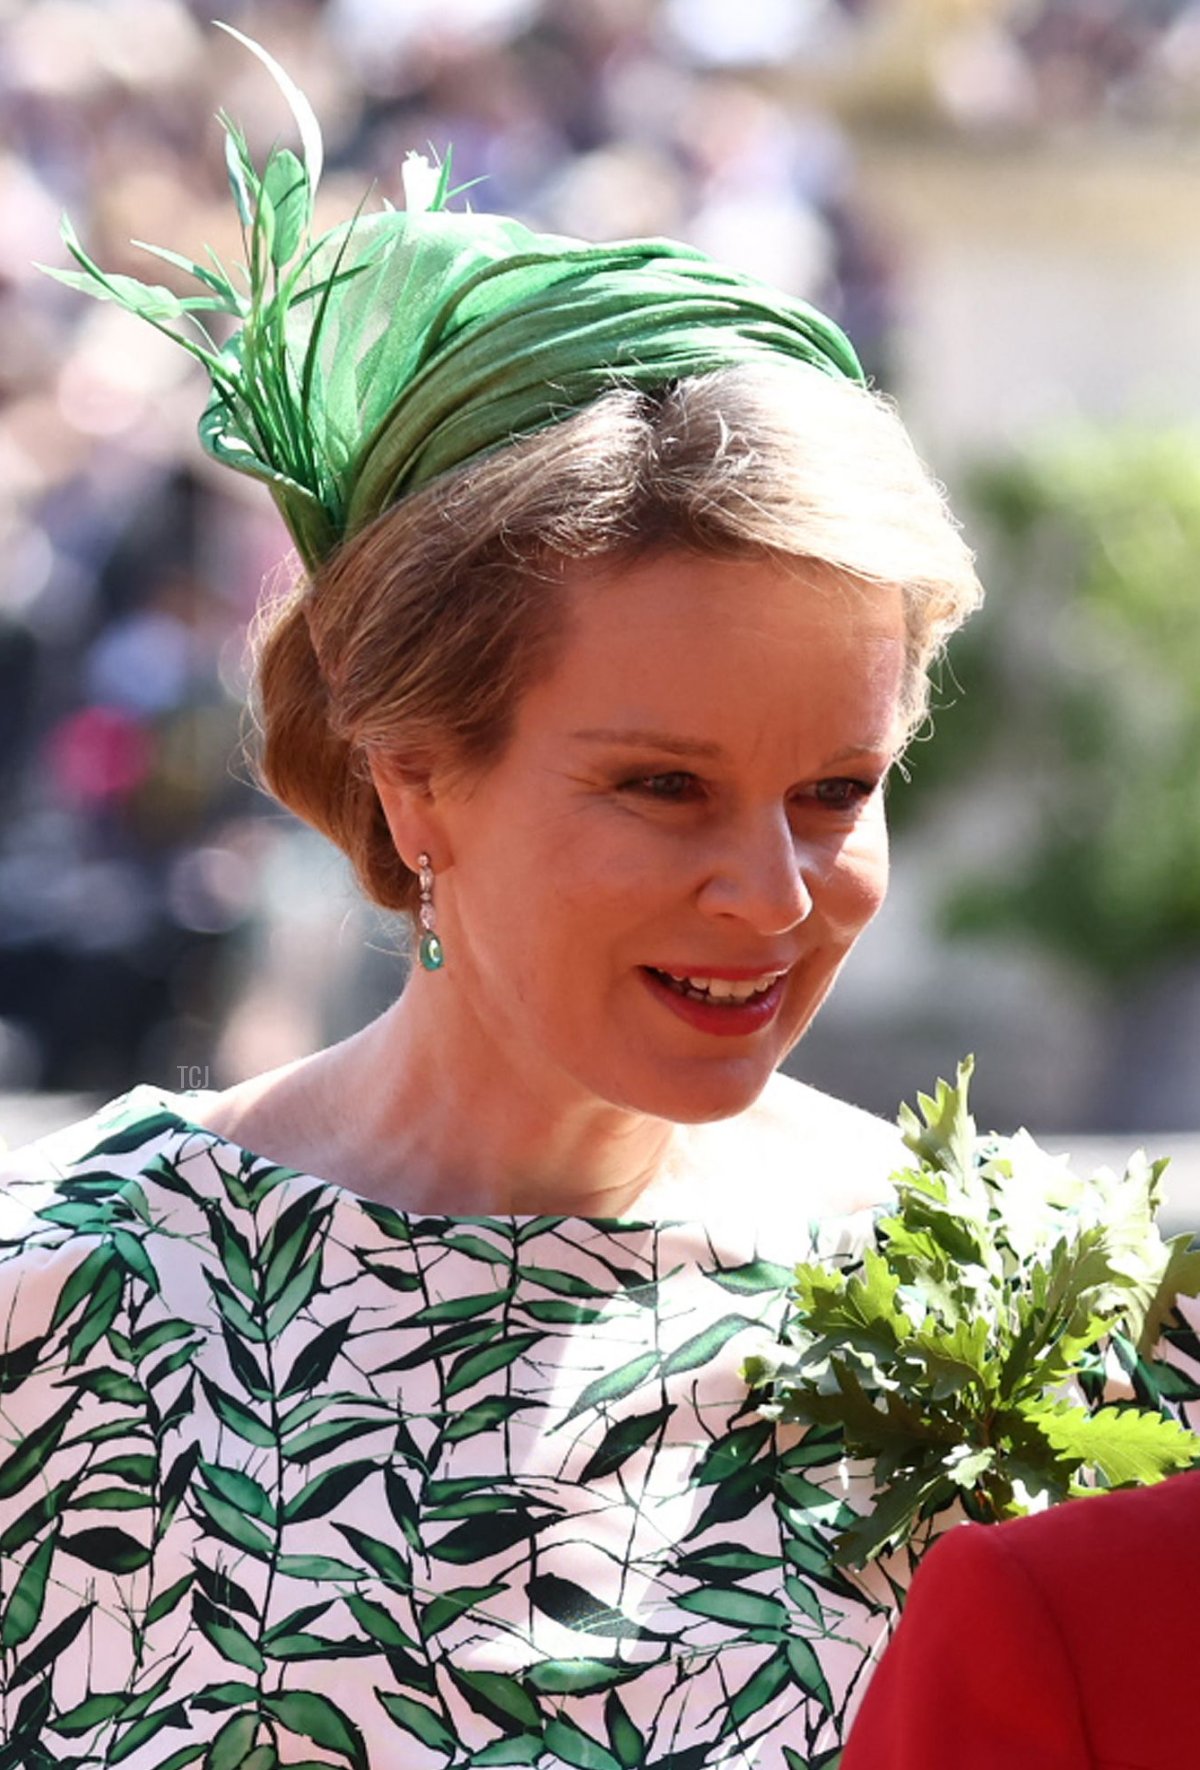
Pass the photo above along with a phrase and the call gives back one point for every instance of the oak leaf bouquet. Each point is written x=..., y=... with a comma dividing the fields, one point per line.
x=972, y=1353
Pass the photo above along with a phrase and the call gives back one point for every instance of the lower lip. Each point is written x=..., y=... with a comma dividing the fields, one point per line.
x=732, y=1021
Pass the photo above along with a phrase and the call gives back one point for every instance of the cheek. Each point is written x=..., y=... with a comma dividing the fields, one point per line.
x=572, y=884
x=858, y=882
x=602, y=858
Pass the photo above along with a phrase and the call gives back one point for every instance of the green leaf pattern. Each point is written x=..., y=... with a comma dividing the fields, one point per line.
x=289, y=1478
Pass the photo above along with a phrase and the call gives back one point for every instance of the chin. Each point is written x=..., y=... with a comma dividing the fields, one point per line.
x=700, y=1099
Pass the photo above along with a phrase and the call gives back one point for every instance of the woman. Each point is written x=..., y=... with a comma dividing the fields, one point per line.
x=412, y=1369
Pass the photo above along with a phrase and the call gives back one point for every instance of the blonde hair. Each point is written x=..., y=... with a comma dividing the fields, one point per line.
x=420, y=635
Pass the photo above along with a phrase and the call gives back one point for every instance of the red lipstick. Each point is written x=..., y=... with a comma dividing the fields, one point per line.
x=727, y=1020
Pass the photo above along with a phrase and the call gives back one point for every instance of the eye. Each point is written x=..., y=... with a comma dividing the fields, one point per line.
x=674, y=785
x=843, y=793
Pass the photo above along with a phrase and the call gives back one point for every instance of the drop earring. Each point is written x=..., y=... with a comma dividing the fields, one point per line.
x=429, y=952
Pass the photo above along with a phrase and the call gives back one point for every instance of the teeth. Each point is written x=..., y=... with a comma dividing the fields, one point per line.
x=723, y=989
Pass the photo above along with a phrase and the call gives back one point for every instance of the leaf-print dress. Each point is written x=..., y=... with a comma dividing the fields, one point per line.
x=288, y=1477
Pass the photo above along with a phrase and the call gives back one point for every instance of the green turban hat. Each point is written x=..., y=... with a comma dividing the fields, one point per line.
x=401, y=344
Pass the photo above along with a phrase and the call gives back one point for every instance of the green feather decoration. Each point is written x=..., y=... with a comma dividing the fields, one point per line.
x=400, y=344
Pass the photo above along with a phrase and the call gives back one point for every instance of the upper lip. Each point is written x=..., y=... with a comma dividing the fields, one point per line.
x=725, y=973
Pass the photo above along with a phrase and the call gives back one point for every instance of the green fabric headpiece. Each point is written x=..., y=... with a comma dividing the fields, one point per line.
x=403, y=343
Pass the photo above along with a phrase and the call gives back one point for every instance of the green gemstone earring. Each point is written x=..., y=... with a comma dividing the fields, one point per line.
x=430, y=950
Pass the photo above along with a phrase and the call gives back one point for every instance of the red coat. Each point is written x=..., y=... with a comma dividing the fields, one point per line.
x=1069, y=1641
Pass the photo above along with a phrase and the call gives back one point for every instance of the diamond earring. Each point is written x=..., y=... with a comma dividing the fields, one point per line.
x=430, y=950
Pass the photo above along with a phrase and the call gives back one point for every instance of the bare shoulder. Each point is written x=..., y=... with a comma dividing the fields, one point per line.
x=272, y=1115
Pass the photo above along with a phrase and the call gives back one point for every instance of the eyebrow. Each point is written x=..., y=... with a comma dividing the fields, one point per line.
x=639, y=737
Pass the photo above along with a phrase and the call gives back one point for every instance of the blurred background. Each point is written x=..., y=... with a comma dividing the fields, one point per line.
x=998, y=198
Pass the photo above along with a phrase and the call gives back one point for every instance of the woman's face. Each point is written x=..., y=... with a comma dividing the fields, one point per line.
x=695, y=793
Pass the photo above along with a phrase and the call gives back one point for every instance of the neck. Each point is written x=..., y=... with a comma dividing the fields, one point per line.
x=432, y=1114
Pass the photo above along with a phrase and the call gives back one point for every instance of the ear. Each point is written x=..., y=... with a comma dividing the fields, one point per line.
x=410, y=807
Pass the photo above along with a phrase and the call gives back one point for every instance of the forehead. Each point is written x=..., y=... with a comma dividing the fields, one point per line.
x=738, y=590
x=700, y=639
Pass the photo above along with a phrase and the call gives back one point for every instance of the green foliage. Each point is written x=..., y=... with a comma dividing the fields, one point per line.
x=965, y=1354
x=1081, y=682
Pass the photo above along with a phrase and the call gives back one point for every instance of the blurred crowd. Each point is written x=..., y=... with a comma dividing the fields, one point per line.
x=157, y=916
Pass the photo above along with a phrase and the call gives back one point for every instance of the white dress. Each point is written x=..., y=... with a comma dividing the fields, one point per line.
x=288, y=1477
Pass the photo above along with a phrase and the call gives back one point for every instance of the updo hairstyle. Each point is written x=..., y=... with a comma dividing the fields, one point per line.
x=419, y=636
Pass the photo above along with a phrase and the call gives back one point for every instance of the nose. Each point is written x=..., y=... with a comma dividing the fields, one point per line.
x=762, y=874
